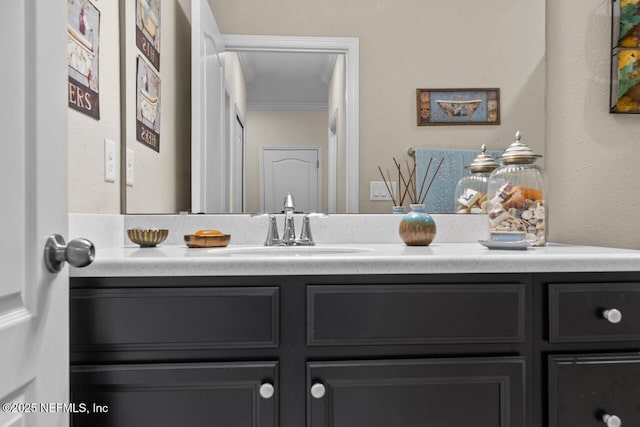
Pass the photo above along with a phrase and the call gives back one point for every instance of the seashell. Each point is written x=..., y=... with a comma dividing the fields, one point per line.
x=530, y=236
x=516, y=213
x=529, y=193
x=484, y=206
x=516, y=200
x=540, y=226
x=527, y=214
x=539, y=213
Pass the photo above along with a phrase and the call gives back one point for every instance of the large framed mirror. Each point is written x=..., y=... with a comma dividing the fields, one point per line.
x=401, y=48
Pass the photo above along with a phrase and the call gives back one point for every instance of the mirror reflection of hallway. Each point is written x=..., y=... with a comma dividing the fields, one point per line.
x=293, y=170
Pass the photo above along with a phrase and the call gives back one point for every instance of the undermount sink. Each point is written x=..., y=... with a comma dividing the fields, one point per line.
x=276, y=251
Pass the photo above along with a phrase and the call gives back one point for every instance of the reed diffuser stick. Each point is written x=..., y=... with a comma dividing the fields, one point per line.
x=393, y=198
x=412, y=182
x=407, y=186
x=432, y=179
x=387, y=185
x=426, y=172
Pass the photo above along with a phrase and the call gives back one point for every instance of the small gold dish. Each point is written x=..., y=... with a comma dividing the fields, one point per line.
x=194, y=241
x=148, y=238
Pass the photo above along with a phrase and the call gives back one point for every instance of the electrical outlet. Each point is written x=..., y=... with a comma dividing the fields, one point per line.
x=378, y=190
x=130, y=167
x=110, y=168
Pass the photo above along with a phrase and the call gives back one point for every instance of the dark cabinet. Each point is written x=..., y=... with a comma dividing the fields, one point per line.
x=436, y=350
x=585, y=391
x=183, y=394
x=471, y=392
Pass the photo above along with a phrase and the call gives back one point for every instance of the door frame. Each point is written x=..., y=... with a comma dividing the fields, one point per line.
x=239, y=118
x=350, y=48
x=315, y=148
x=332, y=163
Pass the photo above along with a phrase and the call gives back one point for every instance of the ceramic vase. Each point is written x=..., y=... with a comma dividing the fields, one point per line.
x=417, y=228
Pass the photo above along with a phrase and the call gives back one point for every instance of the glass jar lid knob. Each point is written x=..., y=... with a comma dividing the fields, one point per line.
x=518, y=152
x=483, y=162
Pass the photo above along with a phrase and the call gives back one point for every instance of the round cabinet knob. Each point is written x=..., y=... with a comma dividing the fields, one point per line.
x=612, y=420
x=318, y=390
x=267, y=390
x=613, y=315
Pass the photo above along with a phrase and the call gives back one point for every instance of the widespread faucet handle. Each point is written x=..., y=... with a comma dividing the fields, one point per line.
x=272, y=233
x=305, y=234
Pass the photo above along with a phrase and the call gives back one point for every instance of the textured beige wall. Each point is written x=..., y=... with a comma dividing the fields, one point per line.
x=420, y=44
x=592, y=156
x=87, y=189
x=281, y=129
x=162, y=181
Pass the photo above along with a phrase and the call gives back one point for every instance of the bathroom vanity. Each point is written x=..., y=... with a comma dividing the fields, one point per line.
x=449, y=335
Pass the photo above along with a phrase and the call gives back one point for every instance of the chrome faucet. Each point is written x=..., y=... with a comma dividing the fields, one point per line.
x=289, y=232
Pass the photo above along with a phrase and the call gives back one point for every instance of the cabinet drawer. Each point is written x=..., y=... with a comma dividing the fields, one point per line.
x=415, y=314
x=174, y=318
x=472, y=392
x=583, y=389
x=576, y=312
x=188, y=394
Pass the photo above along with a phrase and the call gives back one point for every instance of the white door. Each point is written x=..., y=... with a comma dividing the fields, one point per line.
x=290, y=170
x=34, y=323
x=208, y=167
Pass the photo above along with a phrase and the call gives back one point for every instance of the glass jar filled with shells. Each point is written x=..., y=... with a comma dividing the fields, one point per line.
x=516, y=201
x=471, y=191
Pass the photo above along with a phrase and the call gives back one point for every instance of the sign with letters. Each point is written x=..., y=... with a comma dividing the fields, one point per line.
x=148, y=30
x=83, y=42
x=147, y=105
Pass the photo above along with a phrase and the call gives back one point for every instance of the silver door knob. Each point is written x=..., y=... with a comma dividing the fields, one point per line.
x=318, y=390
x=78, y=253
x=267, y=390
x=613, y=315
x=612, y=420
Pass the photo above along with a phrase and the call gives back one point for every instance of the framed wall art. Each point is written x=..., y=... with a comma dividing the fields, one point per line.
x=83, y=53
x=625, y=57
x=147, y=105
x=148, y=30
x=438, y=107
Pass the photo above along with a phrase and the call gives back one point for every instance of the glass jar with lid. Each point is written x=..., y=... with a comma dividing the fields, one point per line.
x=516, y=195
x=471, y=191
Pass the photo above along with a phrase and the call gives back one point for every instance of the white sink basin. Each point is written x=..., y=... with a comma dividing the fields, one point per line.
x=280, y=251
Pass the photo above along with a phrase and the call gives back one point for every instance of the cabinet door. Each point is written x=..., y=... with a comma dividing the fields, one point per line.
x=583, y=389
x=189, y=394
x=479, y=392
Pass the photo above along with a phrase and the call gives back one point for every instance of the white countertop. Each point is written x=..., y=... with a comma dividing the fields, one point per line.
x=387, y=258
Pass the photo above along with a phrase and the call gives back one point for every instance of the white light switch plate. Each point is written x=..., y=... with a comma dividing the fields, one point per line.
x=130, y=156
x=110, y=169
x=378, y=190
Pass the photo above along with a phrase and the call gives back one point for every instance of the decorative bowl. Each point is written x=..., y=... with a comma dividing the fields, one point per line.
x=148, y=238
x=194, y=241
